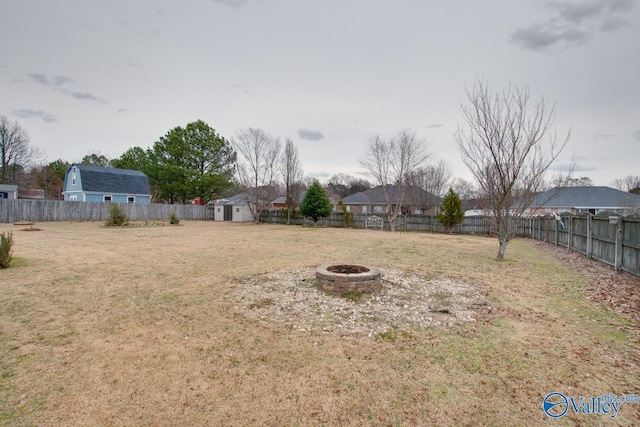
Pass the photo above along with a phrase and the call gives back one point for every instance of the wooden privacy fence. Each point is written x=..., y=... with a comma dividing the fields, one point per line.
x=56, y=210
x=614, y=240
x=429, y=223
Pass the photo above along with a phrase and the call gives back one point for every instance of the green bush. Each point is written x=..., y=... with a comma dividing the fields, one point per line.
x=316, y=204
x=117, y=217
x=451, y=213
x=347, y=215
x=173, y=218
x=6, y=241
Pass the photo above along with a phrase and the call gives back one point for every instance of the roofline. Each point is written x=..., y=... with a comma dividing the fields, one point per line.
x=110, y=193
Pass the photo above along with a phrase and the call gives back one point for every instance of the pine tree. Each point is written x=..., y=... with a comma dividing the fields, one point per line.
x=450, y=213
x=316, y=204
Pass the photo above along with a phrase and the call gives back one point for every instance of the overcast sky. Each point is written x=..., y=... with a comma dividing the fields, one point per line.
x=87, y=76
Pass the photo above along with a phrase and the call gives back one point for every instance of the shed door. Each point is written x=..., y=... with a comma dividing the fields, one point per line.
x=228, y=213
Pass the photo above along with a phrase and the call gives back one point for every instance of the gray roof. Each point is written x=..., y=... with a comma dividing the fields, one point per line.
x=237, y=200
x=112, y=180
x=585, y=197
x=375, y=196
x=8, y=187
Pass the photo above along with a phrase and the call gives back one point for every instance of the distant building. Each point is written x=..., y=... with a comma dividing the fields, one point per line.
x=584, y=199
x=88, y=183
x=8, y=191
x=373, y=201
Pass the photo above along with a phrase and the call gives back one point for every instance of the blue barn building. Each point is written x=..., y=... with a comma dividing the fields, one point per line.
x=88, y=183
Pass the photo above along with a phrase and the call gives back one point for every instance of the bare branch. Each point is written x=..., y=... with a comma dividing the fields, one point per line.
x=257, y=167
x=391, y=162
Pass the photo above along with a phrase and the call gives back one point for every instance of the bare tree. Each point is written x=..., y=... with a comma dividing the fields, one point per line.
x=505, y=151
x=292, y=176
x=257, y=167
x=465, y=189
x=391, y=162
x=568, y=181
x=435, y=180
x=15, y=152
x=344, y=185
x=627, y=183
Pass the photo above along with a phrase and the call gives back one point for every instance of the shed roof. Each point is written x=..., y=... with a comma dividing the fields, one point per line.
x=8, y=187
x=237, y=200
x=113, y=180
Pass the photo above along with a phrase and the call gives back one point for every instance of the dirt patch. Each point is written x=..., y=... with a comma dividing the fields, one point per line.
x=406, y=301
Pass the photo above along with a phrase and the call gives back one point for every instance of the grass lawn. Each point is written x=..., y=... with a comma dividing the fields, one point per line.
x=139, y=326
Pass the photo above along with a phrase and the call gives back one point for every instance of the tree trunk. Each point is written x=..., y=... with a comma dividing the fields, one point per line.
x=502, y=249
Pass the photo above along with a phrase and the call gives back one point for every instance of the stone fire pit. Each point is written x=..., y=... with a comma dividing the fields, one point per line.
x=345, y=278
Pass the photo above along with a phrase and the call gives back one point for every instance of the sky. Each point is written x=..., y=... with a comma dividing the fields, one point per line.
x=92, y=76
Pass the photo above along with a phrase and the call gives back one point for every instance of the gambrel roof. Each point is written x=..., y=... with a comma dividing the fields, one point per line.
x=112, y=180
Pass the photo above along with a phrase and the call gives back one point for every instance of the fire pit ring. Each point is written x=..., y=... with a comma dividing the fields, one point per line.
x=345, y=278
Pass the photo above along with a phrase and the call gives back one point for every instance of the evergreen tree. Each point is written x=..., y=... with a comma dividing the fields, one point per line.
x=450, y=213
x=316, y=204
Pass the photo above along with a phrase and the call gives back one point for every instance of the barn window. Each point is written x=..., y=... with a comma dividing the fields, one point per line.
x=106, y=199
x=73, y=198
x=218, y=209
x=237, y=209
x=73, y=178
x=131, y=199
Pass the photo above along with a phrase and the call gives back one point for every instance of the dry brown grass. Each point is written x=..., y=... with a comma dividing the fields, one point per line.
x=103, y=326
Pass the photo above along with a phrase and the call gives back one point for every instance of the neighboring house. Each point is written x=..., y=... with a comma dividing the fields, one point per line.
x=88, y=183
x=281, y=202
x=234, y=209
x=584, y=199
x=8, y=192
x=372, y=201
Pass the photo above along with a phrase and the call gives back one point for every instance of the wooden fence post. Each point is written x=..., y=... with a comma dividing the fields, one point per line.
x=619, y=238
x=589, y=243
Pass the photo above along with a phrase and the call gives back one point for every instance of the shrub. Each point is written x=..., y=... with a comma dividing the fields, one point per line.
x=117, y=217
x=173, y=218
x=316, y=204
x=347, y=215
x=451, y=213
x=6, y=241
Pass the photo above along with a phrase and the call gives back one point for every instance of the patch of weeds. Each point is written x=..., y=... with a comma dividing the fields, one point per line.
x=6, y=241
x=442, y=297
x=266, y=302
x=389, y=335
x=352, y=296
x=310, y=283
x=117, y=217
x=173, y=218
